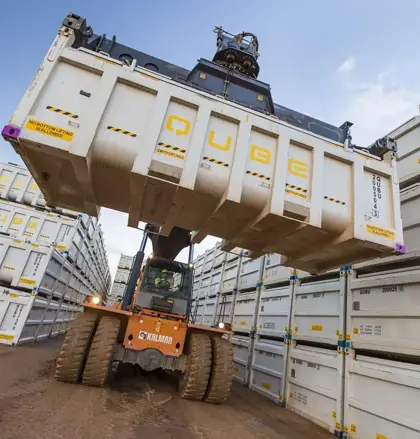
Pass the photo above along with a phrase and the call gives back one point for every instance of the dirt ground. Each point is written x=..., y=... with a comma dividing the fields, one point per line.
x=134, y=405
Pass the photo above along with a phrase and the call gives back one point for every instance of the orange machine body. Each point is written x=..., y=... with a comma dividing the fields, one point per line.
x=150, y=330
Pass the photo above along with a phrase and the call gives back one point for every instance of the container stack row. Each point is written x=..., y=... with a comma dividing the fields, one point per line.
x=332, y=348
x=341, y=349
x=121, y=279
x=50, y=260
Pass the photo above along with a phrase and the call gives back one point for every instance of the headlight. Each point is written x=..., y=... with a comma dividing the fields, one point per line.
x=96, y=300
x=221, y=325
x=191, y=265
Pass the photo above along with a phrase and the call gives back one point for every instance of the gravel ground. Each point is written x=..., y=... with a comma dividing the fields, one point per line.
x=134, y=405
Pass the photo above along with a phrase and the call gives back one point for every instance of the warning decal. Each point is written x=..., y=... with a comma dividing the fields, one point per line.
x=49, y=130
x=296, y=194
x=384, y=233
x=171, y=154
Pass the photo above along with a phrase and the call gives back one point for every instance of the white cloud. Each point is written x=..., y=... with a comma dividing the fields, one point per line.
x=379, y=106
x=348, y=65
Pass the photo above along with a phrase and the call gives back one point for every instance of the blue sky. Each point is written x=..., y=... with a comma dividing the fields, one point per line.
x=335, y=60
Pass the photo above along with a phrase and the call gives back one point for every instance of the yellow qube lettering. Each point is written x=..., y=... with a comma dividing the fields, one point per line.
x=298, y=168
x=17, y=221
x=186, y=125
x=32, y=225
x=224, y=147
x=260, y=154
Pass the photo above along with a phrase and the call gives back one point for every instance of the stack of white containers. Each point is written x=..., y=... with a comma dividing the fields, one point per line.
x=341, y=349
x=121, y=279
x=50, y=260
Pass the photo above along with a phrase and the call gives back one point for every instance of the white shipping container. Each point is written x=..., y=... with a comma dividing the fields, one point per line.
x=219, y=256
x=209, y=313
x=199, y=312
x=250, y=273
x=241, y=353
x=17, y=184
x=244, y=312
x=122, y=275
x=229, y=278
x=224, y=308
x=274, y=312
x=204, y=285
x=407, y=136
x=14, y=309
x=125, y=262
x=216, y=277
x=410, y=213
x=384, y=312
x=118, y=290
x=274, y=273
x=21, y=264
x=233, y=254
x=382, y=399
x=209, y=258
x=303, y=210
x=318, y=311
x=268, y=369
x=45, y=228
x=315, y=389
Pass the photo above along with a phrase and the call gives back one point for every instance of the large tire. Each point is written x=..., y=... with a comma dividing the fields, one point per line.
x=193, y=383
x=75, y=348
x=98, y=363
x=221, y=371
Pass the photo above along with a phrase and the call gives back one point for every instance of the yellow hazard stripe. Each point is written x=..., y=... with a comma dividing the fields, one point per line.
x=60, y=111
x=121, y=131
x=335, y=200
x=255, y=174
x=217, y=162
x=297, y=188
x=174, y=148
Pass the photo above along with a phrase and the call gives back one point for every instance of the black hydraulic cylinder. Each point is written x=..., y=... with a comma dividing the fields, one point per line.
x=135, y=273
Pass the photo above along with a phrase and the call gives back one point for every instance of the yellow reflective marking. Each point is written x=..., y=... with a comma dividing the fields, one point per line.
x=224, y=147
x=26, y=281
x=265, y=385
x=379, y=231
x=178, y=132
x=334, y=414
x=316, y=327
x=49, y=130
x=6, y=337
x=243, y=323
x=260, y=154
x=170, y=154
x=61, y=247
x=297, y=194
x=353, y=428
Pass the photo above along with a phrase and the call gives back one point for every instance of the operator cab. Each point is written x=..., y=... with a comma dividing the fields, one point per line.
x=165, y=286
